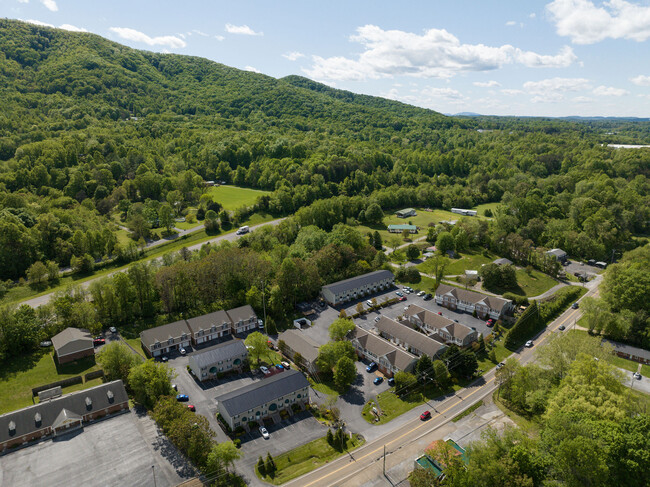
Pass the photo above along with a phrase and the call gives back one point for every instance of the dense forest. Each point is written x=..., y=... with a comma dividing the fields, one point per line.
x=91, y=128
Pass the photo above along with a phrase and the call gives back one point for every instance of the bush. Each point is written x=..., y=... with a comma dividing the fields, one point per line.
x=518, y=299
x=237, y=442
x=529, y=323
x=93, y=375
x=63, y=383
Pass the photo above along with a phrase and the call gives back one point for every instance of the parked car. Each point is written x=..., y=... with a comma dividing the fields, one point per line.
x=182, y=351
x=264, y=370
x=191, y=407
x=427, y=297
x=562, y=328
x=112, y=329
x=440, y=313
x=279, y=366
x=425, y=415
x=421, y=293
x=377, y=319
x=378, y=380
x=499, y=365
x=406, y=291
x=369, y=303
x=406, y=308
x=489, y=322
x=265, y=433
x=391, y=381
x=182, y=397
x=175, y=387
x=637, y=376
x=322, y=304
x=529, y=343
x=575, y=306
x=403, y=298
x=455, y=320
x=286, y=365
x=164, y=358
x=372, y=366
x=45, y=343
x=399, y=293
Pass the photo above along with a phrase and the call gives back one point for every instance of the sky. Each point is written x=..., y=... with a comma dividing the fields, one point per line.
x=496, y=57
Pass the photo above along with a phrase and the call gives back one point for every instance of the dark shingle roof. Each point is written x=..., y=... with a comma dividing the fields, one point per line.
x=74, y=404
x=223, y=351
x=261, y=392
x=164, y=332
x=243, y=313
x=206, y=321
x=409, y=336
x=72, y=340
x=301, y=343
x=492, y=302
x=355, y=282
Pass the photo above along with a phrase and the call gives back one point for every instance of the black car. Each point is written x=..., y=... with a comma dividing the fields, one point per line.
x=427, y=297
x=391, y=381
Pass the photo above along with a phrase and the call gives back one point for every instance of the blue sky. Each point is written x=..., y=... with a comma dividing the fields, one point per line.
x=505, y=57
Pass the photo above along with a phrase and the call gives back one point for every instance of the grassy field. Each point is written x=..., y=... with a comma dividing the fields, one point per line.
x=306, y=458
x=137, y=345
x=324, y=388
x=524, y=423
x=232, y=197
x=24, y=373
x=534, y=284
x=467, y=412
x=468, y=261
x=481, y=208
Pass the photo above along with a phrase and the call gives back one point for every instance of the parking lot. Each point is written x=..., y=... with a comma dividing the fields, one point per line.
x=115, y=452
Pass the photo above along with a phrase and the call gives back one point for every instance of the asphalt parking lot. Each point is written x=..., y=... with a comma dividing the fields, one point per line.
x=115, y=452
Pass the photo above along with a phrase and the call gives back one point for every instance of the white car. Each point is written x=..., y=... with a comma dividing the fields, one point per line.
x=369, y=303
x=421, y=293
x=406, y=291
x=265, y=434
x=529, y=343
x=264, y=370
x=637, y=376
x=182, y=350
x=377, y=319
x=113, y=329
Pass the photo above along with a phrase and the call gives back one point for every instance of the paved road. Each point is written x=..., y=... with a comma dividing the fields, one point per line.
x=44, y=299
x=347, y=468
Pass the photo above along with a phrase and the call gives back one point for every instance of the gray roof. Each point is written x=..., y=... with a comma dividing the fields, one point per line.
x=428, y=317
x=72, y=340
x=205, y=322
x=243, y=313
x=502, y=261
x=301, y=343
x=164, y=332
x=358, y=281
x=263, y=391
x=491, y=302
x=70, y=405
x=557, y=252
x=410, y=337
x=383, y=348
x=223, y=351
x=628, y=349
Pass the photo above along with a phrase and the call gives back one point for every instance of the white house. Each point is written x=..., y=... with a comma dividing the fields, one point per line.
x=469, y=301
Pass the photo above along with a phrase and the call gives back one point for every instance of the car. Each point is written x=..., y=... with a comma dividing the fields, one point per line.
x=377, y=318
x=191, y=407
x=45, y=343
x=182, y=397
x=322, y=304
x=562, y=328
x=499, y=365
x=175, y=387
x=265, y=370
x=440, y=313
x=264, y=432
x=286, y=365
x=164, y=358
x=406, y=308
x=399, y=293
x=391, y=381
x=279, y=366
x=182, y=350
x=98, y=341
x=421, y=293
x=575, y=306
x=403, y=298
x=427, y=297
x=406, y=291
x=409, y=288
x=112, y=329
x=455, y=321
x=378, y=380
x=529, y=343
x=637, y=376
x=489, y=322
x=369, y=303
x=425, y=415
x=372, y=366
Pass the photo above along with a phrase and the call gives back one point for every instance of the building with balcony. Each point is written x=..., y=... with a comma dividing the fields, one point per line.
x=225, y=357
x=357, y=287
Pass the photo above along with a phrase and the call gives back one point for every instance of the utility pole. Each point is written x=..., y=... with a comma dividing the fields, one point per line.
x=384, y=460
x=263, y=284
x=153, y=472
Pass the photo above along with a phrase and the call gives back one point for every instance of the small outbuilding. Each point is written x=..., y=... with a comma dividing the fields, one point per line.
x=557, y=254
x=401, y=228
x=502, y=261
x=72, y=344
x=405, y=213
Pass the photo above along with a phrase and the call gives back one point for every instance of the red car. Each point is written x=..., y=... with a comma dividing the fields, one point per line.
x=403, y=298
x=99, y=341
x=191, y=407
x=440, y=313
x=489, y=322
x=425, y=415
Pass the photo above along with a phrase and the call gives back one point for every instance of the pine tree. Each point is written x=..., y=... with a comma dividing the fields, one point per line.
x=330, y=437
x=270, y=464
x=261, y=468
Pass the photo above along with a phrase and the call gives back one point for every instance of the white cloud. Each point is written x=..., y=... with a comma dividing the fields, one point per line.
x=252, y=69
x=582, y=99
x=609, y=91
x=38, y=22
x=641, y=80
x=511, y=23
x=72, y=28
x=199, y=33
x=50, y=5
x=508, y=91
x=533, y=15
x=242, y=29
x=23, y=1
x=293, y=56
x=173, y=42
x=556, y=85
x=434, y=54
x=585, y=23
x=487, y=84
x=219, y=38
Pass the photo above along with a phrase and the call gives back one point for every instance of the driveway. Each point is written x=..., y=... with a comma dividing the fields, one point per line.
x=115, y=452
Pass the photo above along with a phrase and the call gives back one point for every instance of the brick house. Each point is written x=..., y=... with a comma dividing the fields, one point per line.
x=72, y=344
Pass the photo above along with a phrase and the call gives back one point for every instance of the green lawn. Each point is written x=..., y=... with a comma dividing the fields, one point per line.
x=306, y=458
x=467, y=412
x=123, y=237
x=524, y=423
x=186, y=225
x=534, y=284
x=271, y=357
x=137, y=345
x=324, y=388
x=232, y=197
x=481, y=208
x=24, y=373
x=471, y=260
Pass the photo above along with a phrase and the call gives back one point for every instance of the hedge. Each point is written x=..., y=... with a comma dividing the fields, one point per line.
x=527, y=325
x=93, y=375
x=63, y=383
x=556, y=304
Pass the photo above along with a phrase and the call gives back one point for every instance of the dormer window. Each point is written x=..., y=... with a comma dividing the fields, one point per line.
x=89, y=403
x=12, y=428
x=37, y=419
x=110, y=396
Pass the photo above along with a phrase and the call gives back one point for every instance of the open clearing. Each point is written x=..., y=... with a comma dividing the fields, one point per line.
x=232, y=197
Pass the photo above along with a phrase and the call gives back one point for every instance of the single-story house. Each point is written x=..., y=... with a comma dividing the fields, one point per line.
x=440, y=328
x=502, y=261
x=292, y=342
x=229, y=356
x=388, y=357
x=557, y=254
x=405, y=213
x=470, y=274
x=412, y=340
x=355, y=287
x=263, y=398
x=243, y=319
x=629, y=352
x=72, y=344
x=163, y=339
x=62, y=414
x=463, y=212
x=401, y=228
x=209, y=327
x=470, y=301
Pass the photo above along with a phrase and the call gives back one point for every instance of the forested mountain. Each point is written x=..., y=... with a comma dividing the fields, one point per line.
x=90, y=128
